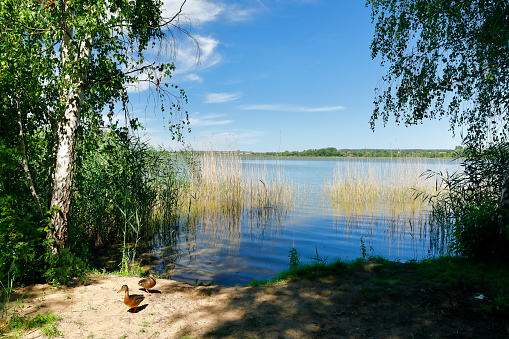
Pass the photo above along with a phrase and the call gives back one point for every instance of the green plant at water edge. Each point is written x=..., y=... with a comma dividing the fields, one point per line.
x=364, y=253
x=64, y=266
x=128, y=264
x=476, y=230
x=466, y=205
x=363, y=248
x=318, y=260
x=294, y=260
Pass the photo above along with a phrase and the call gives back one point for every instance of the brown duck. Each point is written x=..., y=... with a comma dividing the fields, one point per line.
x=147, y=283
x=131, y=300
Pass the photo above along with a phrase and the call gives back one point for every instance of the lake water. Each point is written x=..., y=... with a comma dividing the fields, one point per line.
x=241, y=248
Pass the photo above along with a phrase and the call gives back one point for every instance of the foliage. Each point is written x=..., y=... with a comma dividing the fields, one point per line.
x=476, y=231
x=294, y=259
x=363, y=153
x=445, y=59
x=117, y=178
x=81, y=55
x=21, y=233
x=466, y=204
x=64, y=266
x=46, y=322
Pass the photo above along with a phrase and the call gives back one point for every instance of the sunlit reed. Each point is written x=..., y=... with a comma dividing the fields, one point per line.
x=226, y=195
x=381, y=196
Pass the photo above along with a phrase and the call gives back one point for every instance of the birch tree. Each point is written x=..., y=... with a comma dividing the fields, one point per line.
x=446, y=59
x=62, y=60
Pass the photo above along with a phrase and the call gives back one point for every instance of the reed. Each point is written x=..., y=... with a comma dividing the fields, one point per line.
x=381, y=195
x=226, y=195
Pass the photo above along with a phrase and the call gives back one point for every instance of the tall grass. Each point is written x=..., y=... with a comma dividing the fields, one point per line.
x=226, y=195
x=125, y=192
x=367, y=192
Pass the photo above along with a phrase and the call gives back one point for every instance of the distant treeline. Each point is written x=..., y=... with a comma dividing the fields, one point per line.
x=366, y=153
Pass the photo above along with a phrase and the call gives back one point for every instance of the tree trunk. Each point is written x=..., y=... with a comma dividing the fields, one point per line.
x=503, y=217
x=74, y=64
x=24, y=161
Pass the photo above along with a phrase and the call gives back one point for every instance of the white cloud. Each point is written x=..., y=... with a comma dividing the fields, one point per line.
x=194, y=77
x=215, y=98
x=138, y=87
x=209, y=120
x=237, y=14
x=200, y=11
x=187, y=56
x=246, y=138
x=290, y=108
x=195, y=13
x=204, y=11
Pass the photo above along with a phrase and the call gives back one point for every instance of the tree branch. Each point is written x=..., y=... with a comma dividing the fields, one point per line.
x=25, y=160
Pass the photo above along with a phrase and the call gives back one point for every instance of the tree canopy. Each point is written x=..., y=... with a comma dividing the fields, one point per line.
x=446, y=59
x=62, y=64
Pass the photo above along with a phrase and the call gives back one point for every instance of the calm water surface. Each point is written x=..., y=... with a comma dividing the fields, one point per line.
x=248, y=247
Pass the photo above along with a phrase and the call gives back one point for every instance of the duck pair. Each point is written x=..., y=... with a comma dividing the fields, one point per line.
x=135, y=299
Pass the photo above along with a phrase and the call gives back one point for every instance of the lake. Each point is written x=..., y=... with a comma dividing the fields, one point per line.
x=255, y=244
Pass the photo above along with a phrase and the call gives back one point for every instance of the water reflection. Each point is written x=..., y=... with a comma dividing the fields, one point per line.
x=242, y=230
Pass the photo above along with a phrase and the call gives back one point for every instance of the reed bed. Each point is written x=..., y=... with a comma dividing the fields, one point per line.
x=226, y=195
x=383, y=196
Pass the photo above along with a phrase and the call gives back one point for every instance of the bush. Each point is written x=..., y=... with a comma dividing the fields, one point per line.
x=477, y=233
x=64, y=266
x=22, y=238
x=466, y=207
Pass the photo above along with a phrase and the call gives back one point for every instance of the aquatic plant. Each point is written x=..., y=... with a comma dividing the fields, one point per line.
x=366, y=192
x=225, y=191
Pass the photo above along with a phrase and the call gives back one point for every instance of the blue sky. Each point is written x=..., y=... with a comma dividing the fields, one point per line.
x=277, y=75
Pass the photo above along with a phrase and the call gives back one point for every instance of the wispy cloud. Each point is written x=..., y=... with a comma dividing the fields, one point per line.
x=194, y=77
x=204, y=11
x=209, y=120
x=187, y=55
x=189, y=59
x=200, y=11
x=290, y=108
x=245, y=138
x=216, y=98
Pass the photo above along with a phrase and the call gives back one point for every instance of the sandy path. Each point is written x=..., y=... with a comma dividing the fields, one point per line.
x=348, y=304
x=174, y=309
x=97, y=310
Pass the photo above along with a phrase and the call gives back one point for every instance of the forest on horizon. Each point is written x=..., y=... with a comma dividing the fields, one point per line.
x=364, y=153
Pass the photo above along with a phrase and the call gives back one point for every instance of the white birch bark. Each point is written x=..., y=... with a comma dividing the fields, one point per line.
x=75, y=57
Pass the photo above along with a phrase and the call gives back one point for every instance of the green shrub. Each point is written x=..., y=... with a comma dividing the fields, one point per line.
x=477, y=232
x=466, y=207
x=64, y=266
x=295, y=263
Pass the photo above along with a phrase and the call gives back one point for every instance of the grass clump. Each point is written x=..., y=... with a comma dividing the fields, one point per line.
x=18, y=324
x=297, y=269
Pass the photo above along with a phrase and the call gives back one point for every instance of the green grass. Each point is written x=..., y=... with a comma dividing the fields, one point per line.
x=478, y=277
x=312, y=270
x=17, y=325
